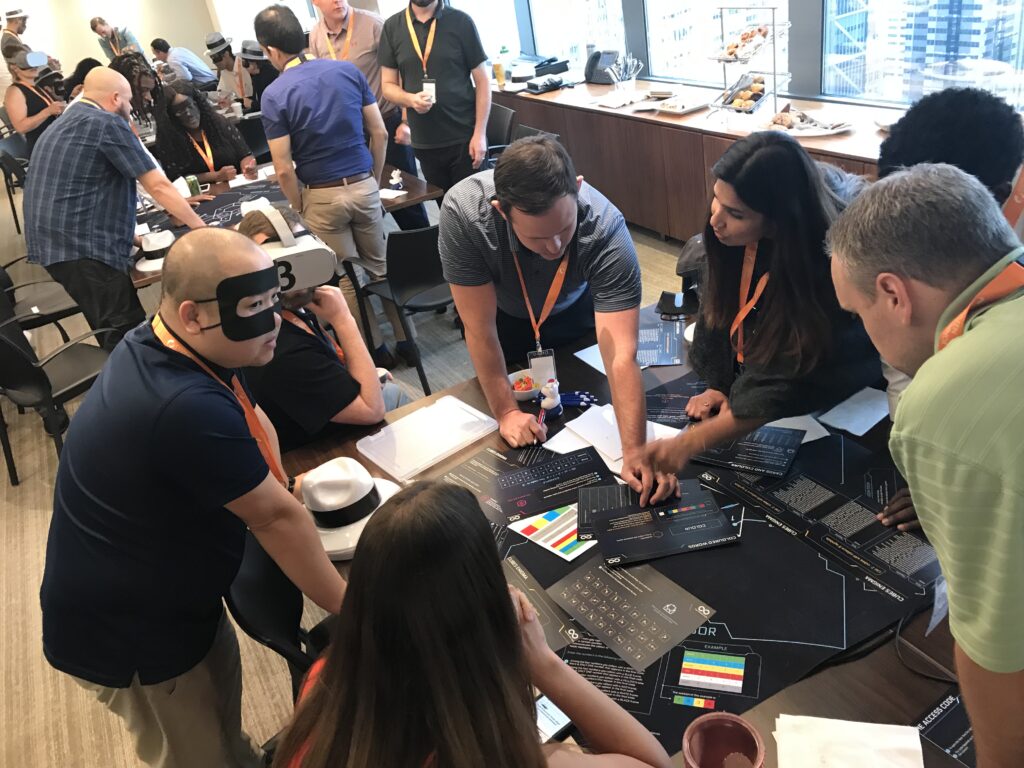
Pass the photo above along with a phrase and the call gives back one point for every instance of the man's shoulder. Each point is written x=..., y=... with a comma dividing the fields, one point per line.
x=373, y=18
x=455, y=16
x=471, y=199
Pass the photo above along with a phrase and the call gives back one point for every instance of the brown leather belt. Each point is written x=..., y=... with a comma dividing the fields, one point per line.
x=342, y=182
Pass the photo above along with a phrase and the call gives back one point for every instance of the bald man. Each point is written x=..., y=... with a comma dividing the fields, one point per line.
x=160, y=476
x=80, y=203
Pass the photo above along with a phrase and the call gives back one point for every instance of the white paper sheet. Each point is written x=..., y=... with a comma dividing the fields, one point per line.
x=261, y=175
x=598, y=427
x=812, y=429
x=592, y=357
x=818, y=742
x=859, y=412
x=391, y=194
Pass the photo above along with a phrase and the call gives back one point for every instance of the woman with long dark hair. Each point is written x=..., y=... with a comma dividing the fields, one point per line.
x=433, y=662
x=771, y=340
x=73, y=82
x=192, y=139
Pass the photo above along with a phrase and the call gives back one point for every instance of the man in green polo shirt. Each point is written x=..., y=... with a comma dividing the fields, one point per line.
x=927, y=260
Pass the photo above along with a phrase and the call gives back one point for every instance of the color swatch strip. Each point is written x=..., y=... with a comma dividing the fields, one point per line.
x=694, y=701
x=715, y=671
x=555, y=531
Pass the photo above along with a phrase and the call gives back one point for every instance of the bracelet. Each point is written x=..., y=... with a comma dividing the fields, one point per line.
x=291, y=484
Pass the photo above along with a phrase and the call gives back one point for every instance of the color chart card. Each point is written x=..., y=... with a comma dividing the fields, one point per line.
x=555, y=531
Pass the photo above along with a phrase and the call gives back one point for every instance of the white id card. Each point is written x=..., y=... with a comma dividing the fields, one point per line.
x=430, y=88
x=542, y=366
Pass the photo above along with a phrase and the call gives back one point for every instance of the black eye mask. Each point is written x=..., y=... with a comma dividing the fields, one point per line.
x=232, y=290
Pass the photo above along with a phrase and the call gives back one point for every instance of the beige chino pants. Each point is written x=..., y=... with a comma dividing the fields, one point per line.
x=190, y=721
x=350, y=221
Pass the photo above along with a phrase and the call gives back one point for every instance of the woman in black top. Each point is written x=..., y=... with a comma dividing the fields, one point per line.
x=31, y=108
x=192, y=139
x=783, y=348
x=73, y=83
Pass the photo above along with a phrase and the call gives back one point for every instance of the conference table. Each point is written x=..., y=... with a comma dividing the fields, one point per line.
x=876, y=687
x=417, y=191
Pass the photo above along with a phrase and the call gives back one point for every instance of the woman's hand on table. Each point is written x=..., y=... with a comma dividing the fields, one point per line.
x=706, y=404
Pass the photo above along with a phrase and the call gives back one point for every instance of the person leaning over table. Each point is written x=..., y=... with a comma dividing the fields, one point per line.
x=315, y=385
x=114, y=40
x=927, y=260
x=348, y=34
x=80, y=202
x=165, y=466
x=31, y=108
x=771, y=340
x=192, y=139
x=433, y=66
x=579, y=271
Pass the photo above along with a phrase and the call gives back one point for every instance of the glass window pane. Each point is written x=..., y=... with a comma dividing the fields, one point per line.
x=496, y=23
x=899, y=51
x=685, y=36
x=564, y=28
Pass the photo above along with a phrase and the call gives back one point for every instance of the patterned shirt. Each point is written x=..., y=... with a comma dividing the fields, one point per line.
x=80, y=193
x=476, y=250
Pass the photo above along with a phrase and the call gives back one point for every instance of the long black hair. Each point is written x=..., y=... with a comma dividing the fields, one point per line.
x=135, y=67
x=76, y=78
x=774, y=176
x=427, y=664
x=173, y=148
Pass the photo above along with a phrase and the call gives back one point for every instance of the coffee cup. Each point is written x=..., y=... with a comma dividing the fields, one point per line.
x=713, y=738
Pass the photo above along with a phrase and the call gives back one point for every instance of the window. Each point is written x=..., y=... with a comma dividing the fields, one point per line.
x=684, y=36
x=899, y=51
x=566, y=28
x=496, y=23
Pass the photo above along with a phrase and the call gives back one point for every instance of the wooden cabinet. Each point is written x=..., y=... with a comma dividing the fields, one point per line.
x=850, y=166
x=684, y=172
x=535, y=113
x=714, y=147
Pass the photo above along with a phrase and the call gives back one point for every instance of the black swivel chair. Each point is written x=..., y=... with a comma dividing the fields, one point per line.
x=251, y=128
x=415, y=281
x=14, y=177
x=6, y=126
x=268, y=608
x=38, y=302
x=499, y=130
x=521, y=131
x=46, y=384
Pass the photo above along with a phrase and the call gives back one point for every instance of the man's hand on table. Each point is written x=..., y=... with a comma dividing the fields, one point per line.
x=654, y=486
x=227, y=173
x=518, y=429
x=195, y=200
x=900, y=512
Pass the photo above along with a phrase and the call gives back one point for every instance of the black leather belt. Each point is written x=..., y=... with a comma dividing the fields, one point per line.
x=342, y=182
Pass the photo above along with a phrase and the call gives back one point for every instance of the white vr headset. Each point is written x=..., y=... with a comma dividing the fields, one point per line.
x=303, y=260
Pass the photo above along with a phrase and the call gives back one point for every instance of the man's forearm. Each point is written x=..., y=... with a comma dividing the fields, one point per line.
x=995, y=705
x=378, y=148
x=358, y=361
x=485, y=354
x=291, y=540
x=175, y=205
x=483, y=107
x=628, y=400
x=289, y=184
x=397, y=95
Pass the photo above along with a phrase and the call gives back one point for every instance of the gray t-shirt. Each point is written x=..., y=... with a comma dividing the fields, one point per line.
x=476, y=250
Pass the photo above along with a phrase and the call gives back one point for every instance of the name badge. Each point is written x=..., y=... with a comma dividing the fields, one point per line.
x=430, y=88
x=542, y=366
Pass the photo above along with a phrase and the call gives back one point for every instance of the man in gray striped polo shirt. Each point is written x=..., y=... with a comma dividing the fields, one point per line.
x=537, y=258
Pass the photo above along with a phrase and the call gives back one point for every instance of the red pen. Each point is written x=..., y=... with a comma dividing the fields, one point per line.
x=540, y=417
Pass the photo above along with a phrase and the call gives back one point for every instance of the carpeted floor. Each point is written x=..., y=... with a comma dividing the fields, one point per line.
x=46, y=720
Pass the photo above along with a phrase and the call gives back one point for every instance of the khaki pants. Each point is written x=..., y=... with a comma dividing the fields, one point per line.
x=190, y=721
x=349, y=219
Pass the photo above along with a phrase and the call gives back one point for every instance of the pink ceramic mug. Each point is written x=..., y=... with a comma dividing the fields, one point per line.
x=711, y=738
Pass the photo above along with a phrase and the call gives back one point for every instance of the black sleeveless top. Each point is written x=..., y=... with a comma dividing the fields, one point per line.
x=35, y=104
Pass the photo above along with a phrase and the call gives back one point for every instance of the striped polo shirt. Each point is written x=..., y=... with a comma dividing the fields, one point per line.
x=957, y=440
x=476, y=249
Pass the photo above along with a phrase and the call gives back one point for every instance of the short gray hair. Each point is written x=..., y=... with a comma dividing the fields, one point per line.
x=932, y=223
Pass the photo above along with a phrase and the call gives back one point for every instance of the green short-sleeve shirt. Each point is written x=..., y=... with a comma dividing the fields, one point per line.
x=959, y=441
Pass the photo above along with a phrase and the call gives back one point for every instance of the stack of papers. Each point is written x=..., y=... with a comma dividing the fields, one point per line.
x=818, y=742
x=241, y=181
x=599, y=428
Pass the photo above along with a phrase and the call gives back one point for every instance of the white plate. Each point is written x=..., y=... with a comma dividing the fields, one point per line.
x=146, y=266
x=885, y=127
x=685, y=110
x=810, y=133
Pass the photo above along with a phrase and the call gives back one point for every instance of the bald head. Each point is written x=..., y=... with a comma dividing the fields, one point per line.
x=109, y=90
x=199, y=260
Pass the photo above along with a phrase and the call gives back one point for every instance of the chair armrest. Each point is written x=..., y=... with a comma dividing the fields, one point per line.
x=74, y=342
x=18, y=318
x=496, y=150
x=10, y=264
x=14, y=288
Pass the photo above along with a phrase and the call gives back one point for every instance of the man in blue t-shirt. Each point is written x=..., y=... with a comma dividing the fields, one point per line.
x=160, y=476
x=317, y=115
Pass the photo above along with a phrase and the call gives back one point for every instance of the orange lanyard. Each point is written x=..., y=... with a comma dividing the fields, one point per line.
x=292, y=318
x=745, y=306
x=552, y=297
x=113, y=44
x=238, y=79
x=348, y=36
x=424, y=57
x=259, y=434
x=41, y=94
x=1009, y=280
x=1014, y=205
x=208, y=154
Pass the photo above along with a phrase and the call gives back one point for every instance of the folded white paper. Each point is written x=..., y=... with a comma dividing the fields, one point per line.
x=599, y=428
x=812, y=429
x=391, y=194
x=859, y=412
x=818, y=742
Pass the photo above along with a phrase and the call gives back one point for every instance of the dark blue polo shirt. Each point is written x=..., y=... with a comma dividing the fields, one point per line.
x=141, y=549
x=319, y=104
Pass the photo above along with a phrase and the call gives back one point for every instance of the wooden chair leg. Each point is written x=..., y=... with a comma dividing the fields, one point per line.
x=5, y=441
x=404, y=319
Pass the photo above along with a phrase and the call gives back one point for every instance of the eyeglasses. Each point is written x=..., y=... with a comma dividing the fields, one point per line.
x=215, y=58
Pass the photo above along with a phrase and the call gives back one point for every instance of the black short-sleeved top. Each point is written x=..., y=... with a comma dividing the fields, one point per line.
x=34, y=104
x=229, y=151
x=456, y=53
x=772, y=391
x=141, y=549
x=304, y=386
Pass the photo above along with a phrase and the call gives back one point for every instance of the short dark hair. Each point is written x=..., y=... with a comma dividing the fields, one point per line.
x=970, y=128
x=95, y=22
x=532, y=174
x=277, y=27
x=159, y=44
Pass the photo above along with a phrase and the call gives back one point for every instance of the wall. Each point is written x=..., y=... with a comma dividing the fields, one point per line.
x=61, y=27
x=234, y=17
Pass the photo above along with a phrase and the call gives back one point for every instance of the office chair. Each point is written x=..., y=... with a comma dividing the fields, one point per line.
x=14, y=177
x=38, y=302
x=415, y=281
x=6, y=126
x=251, y=128
x=43, y=384
x=268, y=608
x=499, y=130
x=522, y=131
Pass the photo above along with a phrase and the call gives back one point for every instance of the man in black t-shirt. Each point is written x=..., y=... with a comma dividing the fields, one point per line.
x=314, y=385
x=428, y=53
x=160, y=476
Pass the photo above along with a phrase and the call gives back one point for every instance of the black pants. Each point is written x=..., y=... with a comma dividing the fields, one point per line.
x=106, y=297
x=571, y=324
x=445, y=167
x=401, y=156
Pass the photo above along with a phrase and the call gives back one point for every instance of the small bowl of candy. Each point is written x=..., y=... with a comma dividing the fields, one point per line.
x=524, y=388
